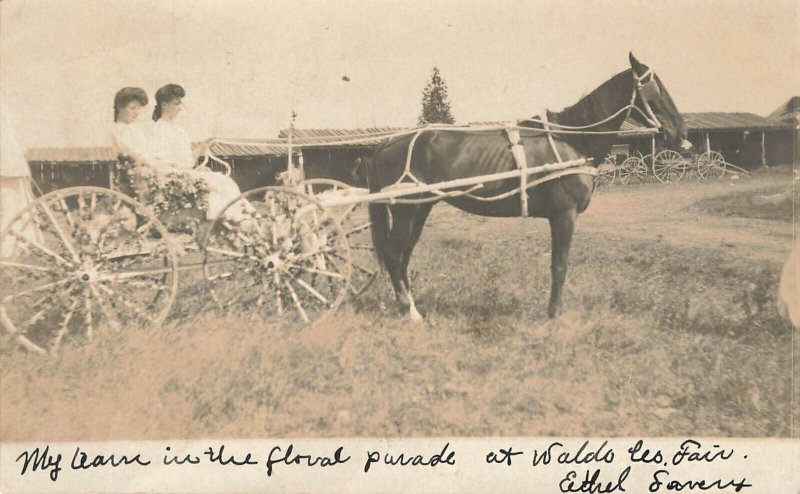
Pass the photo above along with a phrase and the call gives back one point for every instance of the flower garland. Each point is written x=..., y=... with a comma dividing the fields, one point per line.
x=168, y=193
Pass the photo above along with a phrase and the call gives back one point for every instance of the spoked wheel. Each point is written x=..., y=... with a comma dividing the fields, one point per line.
x=669, y=166
x=632, y=170
x=82, y=259
x=710, y=164
x=354, y=220
x=277, y=252
x=606, y=172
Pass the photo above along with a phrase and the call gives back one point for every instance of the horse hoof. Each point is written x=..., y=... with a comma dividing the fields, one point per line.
x=415, y=315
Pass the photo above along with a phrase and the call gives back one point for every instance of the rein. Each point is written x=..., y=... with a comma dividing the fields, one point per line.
x=647, y=90
x=645, y=86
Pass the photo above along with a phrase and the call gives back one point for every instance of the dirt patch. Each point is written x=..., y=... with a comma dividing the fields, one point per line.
x=779, y=202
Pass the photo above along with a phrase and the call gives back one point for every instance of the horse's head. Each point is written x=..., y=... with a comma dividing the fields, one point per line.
x=654, y=100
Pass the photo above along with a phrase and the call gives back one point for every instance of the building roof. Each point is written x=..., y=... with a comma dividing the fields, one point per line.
x=71, y=155
x=303, y=138
x=249, y=147
x=340, y=137
x=631, y=127
x=788, y=112
x=233, y=148
x=730, y=121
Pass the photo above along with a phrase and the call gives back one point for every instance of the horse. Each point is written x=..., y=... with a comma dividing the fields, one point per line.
x=441, y=154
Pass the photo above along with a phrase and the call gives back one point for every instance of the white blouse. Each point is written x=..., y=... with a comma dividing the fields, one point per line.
x=130, y=141
x=170, y=145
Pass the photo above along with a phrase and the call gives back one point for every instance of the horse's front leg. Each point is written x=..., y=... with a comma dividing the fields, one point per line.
x=562, y=225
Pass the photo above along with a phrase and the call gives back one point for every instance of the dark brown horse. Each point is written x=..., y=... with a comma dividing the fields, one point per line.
x=443, y=154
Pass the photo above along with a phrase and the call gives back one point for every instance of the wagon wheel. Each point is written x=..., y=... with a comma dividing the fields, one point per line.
x=277, y=252
x=711, y=164
x=648, y=162
x=669, y=166
x=79, y=260
x=633, y=169
x=606, y=172
x=354, y=220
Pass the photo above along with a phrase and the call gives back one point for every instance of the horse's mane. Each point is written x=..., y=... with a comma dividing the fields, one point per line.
x=588, y=106
x=598, y=104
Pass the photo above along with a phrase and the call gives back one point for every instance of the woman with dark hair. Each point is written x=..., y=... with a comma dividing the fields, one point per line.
x=171, y=149
x=170, y=143
x=126, y=139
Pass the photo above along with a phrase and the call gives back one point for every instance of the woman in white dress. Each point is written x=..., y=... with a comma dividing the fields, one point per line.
x=15, y=181
x=171, y=149
x=126, y=139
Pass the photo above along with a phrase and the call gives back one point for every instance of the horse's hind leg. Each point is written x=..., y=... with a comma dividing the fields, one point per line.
x=422, y=212
x=399, y=235
x=562, y=225
x=403, y=235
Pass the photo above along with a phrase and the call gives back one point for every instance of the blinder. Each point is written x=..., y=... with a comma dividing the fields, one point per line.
x=649, y=90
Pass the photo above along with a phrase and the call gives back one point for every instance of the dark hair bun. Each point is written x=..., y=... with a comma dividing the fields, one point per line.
x=125, y=96
x=166, y=94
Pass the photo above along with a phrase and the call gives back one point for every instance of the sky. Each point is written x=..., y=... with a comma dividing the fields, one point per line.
x=247, y=64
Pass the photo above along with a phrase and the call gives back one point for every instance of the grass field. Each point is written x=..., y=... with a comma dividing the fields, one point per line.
x=670, y=328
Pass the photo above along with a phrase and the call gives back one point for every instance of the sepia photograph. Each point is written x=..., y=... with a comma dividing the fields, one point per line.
x=254, y=219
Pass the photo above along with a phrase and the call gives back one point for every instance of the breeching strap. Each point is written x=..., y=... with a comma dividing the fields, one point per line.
x=518, y=152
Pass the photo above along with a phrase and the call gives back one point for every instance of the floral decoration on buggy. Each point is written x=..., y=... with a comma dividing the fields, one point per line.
x=179, y=199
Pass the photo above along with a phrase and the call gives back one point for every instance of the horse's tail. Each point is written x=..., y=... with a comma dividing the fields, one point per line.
x=381, y=171
x=378, y=212
x=379, y=217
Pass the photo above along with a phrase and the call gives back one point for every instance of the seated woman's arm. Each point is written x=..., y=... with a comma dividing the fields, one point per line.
x=199, y=151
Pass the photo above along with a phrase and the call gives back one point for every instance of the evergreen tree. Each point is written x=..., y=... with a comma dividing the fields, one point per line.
x=435, y=105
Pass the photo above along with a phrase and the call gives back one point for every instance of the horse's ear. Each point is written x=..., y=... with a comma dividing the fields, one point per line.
x=636, y=65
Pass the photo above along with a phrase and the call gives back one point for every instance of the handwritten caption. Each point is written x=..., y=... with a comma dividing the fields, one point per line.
x=588, y=467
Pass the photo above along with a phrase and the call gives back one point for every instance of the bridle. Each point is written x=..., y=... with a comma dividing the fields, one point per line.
x=645, y=86
x=647, y=90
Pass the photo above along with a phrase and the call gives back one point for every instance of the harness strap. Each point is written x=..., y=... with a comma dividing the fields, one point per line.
x=518, y=152
x=646, y=91
x=546, y=125
x=407, y=170
x=407, y=173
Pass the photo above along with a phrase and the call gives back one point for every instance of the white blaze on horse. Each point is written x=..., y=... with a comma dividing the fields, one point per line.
x=584, y=130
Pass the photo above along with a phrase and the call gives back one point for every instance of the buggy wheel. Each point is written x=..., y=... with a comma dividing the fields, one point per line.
x=275, y=251
x=632, y=170
x=710, y=164
x=79, y=260
x=606, y=172
x=354, y=220
x=669, y=166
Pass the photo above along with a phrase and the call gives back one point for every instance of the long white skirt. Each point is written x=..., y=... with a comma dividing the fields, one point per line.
x=15, y=195
x=222, y=190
